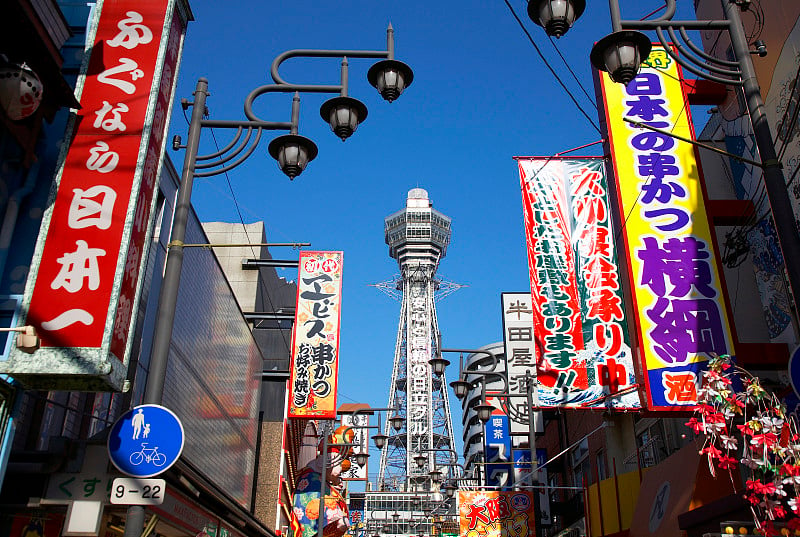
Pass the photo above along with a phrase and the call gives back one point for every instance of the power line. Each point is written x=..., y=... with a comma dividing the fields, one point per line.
x=552, y=71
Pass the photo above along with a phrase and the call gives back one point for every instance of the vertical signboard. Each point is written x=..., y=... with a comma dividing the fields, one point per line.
x=359, y=423
x=84, y=280
x=494, y=513
x=497, y=447
x=519, y=351
x=580, y=341
x=675, y=281
x=522, y=472
x=315, y=336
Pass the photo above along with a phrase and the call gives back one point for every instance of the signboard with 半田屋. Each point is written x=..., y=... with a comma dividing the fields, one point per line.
x=315, y=336
x=676, y=289
x=83, y=286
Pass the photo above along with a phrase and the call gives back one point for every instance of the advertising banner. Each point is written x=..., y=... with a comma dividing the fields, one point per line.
x=579, y=336
x=494, y=513
x=520, y=351
x=358, y=422
x=83, y=285
x=675, y=281
x=315, y=336
x=497, y=447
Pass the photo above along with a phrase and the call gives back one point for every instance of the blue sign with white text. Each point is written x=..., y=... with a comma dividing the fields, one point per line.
x=498, y=451
x=145, y=441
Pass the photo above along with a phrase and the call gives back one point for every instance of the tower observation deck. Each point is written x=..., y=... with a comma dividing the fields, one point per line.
x=417, y=236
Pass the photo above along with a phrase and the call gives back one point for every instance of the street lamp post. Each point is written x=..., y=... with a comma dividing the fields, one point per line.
x=622, y=52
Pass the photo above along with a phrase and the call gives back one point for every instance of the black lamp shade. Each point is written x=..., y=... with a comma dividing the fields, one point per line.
x=380, y=440
x=438, y=365
x=484, y=411
x=343, y=114
x=396, y=422
x=390, y=78
x=621, y=54
x=361, y=458
x=293, y=152
x=420, y=460
x=555, y=16
x=460, y=388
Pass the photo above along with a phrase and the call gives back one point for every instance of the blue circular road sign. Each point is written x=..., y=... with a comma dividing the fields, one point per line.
x=145, y=441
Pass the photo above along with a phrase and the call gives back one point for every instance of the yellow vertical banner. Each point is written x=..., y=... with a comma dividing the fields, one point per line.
x=675, y=284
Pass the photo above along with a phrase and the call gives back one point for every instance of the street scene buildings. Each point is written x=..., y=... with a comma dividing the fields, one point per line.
x=167, y=374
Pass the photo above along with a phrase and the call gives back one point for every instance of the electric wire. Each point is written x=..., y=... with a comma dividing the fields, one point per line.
x=550, y=68
x=592, y=101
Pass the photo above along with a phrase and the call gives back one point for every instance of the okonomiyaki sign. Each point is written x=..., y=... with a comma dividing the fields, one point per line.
x=676, y=285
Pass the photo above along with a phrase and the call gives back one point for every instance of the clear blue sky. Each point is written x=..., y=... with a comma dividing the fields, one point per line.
x=480, y=95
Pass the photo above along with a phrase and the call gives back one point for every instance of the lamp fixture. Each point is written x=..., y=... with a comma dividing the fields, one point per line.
x=343, y=114
x=420, y=459
x=380, y=440
x=396, y=422
x=621, y=54
x=484, y=411
x=450, y=489
x=20, y=90
x=460, y=388
x=390, y=78
x=438, y=365
x=362, y=458
x=293, y=153
x=555, y=16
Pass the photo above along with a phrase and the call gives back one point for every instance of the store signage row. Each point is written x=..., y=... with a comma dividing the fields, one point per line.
x=315, y=336
x=83, y=284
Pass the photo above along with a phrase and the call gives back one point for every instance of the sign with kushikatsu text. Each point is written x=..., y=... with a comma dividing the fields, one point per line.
x=315, y=336
x=494, y=513
x=676, y=288
x=574, y=327
x=84, y=284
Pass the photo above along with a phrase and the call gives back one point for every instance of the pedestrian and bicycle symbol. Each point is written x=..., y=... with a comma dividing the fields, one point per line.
x=145, y=441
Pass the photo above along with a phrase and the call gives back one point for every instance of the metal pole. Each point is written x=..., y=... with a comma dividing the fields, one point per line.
x=532, y=447
x=134, y=521
x=322, y=481
x=168, y=297
x=773, y=175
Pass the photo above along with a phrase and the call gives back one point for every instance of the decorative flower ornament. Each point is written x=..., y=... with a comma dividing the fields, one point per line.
x=745, y=426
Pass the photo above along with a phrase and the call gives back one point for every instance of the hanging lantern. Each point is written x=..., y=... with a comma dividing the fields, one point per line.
x=20, y=91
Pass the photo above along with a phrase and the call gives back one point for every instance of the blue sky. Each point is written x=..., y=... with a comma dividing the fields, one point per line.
x=480, y=96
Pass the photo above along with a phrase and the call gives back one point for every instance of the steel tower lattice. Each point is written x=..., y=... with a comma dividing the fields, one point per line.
x=417, y=236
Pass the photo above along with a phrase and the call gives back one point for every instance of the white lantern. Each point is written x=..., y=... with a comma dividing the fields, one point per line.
x=20, y=91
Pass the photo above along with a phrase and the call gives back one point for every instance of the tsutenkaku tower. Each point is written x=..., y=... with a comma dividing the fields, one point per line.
x=417, y=237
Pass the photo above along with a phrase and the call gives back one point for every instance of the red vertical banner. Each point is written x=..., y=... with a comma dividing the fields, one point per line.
x=554, y=285
x=82, y=288
x=315, y=336
x=577, y=316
